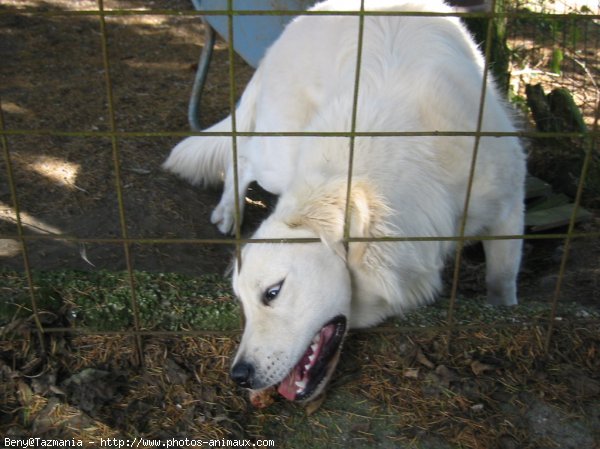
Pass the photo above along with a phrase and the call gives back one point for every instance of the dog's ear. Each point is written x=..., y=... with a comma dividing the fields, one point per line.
x=323, y=211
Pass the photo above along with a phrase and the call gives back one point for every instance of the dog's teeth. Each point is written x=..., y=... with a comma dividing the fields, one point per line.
x=301, y=384
x=314, y=347
x=307, y=367
x=311, y=358
x=317, y=339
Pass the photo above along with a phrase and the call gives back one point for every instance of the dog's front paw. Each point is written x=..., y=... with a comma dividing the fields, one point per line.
x=502, y=292
x=224, y=218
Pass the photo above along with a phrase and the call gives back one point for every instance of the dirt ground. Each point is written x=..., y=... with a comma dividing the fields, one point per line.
x=52, y=78
x=67, y=184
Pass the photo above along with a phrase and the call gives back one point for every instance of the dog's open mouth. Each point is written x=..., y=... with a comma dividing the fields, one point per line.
x=316, y=364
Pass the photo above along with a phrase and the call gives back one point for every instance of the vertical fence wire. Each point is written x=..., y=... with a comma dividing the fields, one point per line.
x=587, y=161
x=234, y=136
x=477, y=139
x=116, y=155
x=234, y=141
x=352, y=143
x=21, y=233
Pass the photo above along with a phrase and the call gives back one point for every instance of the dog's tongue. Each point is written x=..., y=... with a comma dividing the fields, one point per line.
x=288, y=387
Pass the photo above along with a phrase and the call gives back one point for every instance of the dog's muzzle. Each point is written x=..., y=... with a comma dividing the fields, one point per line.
x=242, y=374
x=311, y=373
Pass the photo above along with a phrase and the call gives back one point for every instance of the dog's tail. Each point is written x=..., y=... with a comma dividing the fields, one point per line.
x=202, y=159
x=205, y=159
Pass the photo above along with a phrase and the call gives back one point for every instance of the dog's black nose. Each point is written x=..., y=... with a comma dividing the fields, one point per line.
x=242, y=374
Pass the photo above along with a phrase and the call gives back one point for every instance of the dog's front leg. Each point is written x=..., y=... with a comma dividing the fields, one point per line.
x=224, y=214
x=503, y=258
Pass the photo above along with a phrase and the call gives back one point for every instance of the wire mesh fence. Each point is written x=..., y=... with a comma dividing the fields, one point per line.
x=555, y=48
x=106, y=256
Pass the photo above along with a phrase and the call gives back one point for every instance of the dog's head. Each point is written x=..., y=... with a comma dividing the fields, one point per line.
x=297, y=296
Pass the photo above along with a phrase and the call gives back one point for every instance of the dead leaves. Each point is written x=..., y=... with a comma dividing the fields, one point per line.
x=424, y=366
x=423, y=359
x=92, y=388
x=411, y=373
x=445, y=375
x=480, y=368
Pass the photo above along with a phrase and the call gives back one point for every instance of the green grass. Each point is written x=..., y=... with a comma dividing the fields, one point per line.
x=102, y=300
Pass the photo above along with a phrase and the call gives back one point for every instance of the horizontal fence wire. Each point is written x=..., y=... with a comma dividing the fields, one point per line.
x=289, y=12
x=238, y=241
x=333, y=134
x=244, y=240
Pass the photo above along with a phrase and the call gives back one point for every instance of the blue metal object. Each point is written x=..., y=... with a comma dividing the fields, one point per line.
x=253, y=34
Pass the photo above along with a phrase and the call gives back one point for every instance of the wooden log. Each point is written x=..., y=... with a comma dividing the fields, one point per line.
x=540, y=109
x=563, y=108
x=560, y=159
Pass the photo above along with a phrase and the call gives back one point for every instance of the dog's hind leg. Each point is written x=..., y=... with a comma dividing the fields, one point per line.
x=503, y=258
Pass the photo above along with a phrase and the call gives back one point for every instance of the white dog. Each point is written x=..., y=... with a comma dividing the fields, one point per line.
x=417, y=74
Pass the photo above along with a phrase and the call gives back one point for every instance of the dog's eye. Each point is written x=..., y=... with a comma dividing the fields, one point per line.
x=271, y=293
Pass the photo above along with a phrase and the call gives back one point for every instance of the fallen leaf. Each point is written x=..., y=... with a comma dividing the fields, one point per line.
x=423, y=360
x=91, y=388
x=315, y=404
x=445, y=375
x=477, y=408
x=480, y=368
x=174, y=373
x=411, y=373
x=25, y=392
x=584, y=386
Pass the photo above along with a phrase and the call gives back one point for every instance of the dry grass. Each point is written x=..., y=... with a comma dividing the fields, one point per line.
x=390, y=387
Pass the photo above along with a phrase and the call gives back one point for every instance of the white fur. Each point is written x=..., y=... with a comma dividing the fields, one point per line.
x=417, y=74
